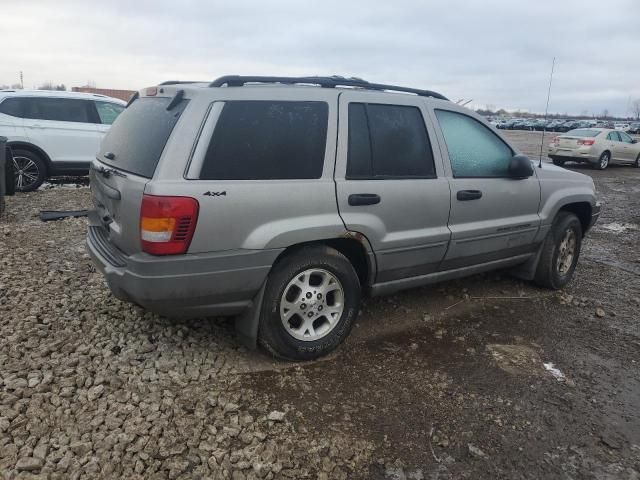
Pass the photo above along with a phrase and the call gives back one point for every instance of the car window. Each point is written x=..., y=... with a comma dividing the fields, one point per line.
x=625, y=138
x=613, y=136
x=388, y=141
x=474, y=150
x=108, y=111
x=261, y=140
x=12, y=106
x=583, y=132
x=139, y=136
x=57, y=109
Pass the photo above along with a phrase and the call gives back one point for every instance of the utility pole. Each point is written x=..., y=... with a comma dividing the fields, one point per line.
x=21, y=80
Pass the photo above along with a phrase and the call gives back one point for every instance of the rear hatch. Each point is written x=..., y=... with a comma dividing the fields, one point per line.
x=577, y=138
x=128, y=158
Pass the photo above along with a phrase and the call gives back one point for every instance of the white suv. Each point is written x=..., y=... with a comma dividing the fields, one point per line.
x=54, y=133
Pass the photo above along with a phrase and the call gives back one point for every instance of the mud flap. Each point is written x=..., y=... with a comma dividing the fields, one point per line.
x=527, y=271
x=247, y=323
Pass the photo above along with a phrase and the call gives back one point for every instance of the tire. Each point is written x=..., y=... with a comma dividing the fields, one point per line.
x=33, y=168
x=297, y=337
x=558, y=161
x=603, y=161
x=555, y=271
x=637, y=162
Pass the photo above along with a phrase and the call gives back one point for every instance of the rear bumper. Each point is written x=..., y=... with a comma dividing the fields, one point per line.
x=190, y=285
x=577, y=155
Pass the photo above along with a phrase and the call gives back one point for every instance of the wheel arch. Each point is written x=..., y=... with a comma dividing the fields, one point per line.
x=582, y=210
x=33, y=149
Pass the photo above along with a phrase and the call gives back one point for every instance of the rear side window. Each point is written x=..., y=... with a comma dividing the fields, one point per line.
x=263, y=140
x=474, y=150
x=388, y=141
x=613, y=136
x=108, y=112
x=12, y=106
x=58, y=109
x=140, y=134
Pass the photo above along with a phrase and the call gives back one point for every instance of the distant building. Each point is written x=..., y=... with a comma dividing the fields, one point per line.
x=109, y=92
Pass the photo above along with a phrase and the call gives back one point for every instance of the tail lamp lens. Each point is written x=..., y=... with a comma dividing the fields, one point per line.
x=167, y=224
x=588, y=141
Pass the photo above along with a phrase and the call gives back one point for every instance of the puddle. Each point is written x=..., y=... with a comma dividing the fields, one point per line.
x=617, y=227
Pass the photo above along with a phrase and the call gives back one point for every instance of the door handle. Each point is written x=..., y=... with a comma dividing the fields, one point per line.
x=464, y=195
x=358, y=199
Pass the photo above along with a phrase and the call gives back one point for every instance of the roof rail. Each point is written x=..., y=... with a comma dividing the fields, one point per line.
x=325, y=82
x=180, y=82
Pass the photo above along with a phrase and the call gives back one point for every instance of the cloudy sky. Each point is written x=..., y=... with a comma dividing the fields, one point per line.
x=496, y=52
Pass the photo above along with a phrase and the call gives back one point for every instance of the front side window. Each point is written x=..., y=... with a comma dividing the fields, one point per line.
x=388, y=141
x=267, y=140
x=57, y=109
x=12, y=106
x=474, y=150
x=108, y=112
x=625, y=138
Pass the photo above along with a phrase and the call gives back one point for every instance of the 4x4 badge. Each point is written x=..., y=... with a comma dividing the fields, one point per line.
x=216, y=194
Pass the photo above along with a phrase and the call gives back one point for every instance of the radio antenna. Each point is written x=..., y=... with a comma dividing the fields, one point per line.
x=546, y=111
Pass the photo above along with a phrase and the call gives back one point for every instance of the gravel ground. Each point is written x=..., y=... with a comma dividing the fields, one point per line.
x=486, y=377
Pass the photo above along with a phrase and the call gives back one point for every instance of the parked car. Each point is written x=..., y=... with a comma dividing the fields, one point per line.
x=621, y=126
x=285, y=204
x=634, y=128
x=597, y=146
x=54, y=133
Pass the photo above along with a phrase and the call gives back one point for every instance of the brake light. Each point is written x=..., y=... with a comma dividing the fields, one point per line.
x=167, y=224
x=588, y=141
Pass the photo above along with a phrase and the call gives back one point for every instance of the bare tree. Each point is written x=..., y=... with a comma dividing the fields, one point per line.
x=605, y=113
x=51, y=86
x=635, y=108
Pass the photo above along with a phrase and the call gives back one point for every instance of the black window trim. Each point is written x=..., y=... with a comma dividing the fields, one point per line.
x=388, y=177
x=487, y=128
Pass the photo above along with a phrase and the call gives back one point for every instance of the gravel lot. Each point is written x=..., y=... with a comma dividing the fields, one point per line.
x=487, y=377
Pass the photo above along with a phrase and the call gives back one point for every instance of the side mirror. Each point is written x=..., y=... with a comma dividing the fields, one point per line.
x=520, y=167
x=635, y=140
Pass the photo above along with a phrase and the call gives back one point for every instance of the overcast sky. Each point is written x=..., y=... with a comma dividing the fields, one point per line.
x=496, y=52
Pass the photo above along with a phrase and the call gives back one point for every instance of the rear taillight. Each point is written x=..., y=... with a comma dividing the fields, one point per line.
x=587, y=141
x=167, y=224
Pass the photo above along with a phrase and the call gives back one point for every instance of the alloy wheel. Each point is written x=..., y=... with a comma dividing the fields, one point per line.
x=312, y=304
x=26, y=171
x=566, y=251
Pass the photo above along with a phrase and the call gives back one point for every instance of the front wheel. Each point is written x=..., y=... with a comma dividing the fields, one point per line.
x=558, y=161
x=603, y=161
x=311, y=302
x=560, y=252
x=637, y=162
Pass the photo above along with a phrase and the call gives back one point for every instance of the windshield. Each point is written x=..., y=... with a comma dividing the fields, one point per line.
x=139, y=134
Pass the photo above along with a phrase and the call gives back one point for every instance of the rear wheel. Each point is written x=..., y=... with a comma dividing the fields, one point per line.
x=30, y=170
x=311, y=302
x=603, y=161
x=558, y=161
x=637, y=162
x=560, y=252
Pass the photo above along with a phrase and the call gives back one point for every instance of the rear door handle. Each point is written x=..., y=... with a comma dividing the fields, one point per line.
x=464, y=195
x=358, y=199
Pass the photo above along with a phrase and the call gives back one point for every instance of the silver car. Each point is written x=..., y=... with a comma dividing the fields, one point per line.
x=597, y=146
x=284, y=200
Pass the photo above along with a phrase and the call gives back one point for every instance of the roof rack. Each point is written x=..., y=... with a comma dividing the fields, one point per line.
x=325, y=82
x=180, y=82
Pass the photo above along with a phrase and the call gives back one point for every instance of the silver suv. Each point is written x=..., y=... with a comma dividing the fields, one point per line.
x=283, y=203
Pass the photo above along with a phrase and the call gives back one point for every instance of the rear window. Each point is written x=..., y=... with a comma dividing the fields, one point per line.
x=140, y=133
x=263, y=140
x=584, y=132
x=12, y=106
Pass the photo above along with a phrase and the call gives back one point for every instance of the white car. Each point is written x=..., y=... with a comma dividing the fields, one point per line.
x=621, y=126
x=54, y=133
